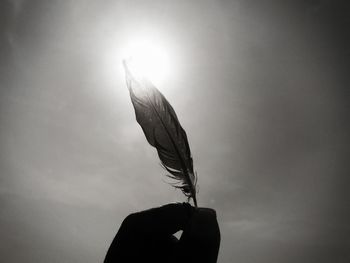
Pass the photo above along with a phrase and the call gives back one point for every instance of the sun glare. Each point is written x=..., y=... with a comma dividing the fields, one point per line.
x=149, y=59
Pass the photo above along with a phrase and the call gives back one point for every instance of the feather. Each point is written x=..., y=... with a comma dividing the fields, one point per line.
x=163, y=131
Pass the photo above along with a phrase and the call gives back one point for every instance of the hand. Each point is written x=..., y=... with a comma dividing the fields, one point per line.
x=201, y=237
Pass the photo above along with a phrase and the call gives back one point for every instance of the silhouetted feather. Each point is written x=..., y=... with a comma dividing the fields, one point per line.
x=163, y=131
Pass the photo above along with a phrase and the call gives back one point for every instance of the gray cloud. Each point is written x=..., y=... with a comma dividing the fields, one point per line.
x=260, y=89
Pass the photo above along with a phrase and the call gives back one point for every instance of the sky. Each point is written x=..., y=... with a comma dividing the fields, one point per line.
x=261, y=88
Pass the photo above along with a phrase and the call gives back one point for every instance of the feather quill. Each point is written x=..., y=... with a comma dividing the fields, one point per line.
x=163, y=131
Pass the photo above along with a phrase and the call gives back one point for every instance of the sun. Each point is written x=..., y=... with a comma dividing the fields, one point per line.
x=149, y=58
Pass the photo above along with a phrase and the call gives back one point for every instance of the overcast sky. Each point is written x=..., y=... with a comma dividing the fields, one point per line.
x=260, y=87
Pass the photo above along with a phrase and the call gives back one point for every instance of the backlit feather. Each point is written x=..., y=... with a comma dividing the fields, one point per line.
x=163, y=131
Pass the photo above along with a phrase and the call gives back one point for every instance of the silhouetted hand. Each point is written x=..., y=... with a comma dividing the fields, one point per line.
x=147, y=236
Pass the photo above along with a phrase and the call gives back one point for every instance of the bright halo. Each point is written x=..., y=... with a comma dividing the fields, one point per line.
x=149, y=60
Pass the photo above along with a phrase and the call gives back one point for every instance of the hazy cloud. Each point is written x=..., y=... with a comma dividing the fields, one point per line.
x=260, y=88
